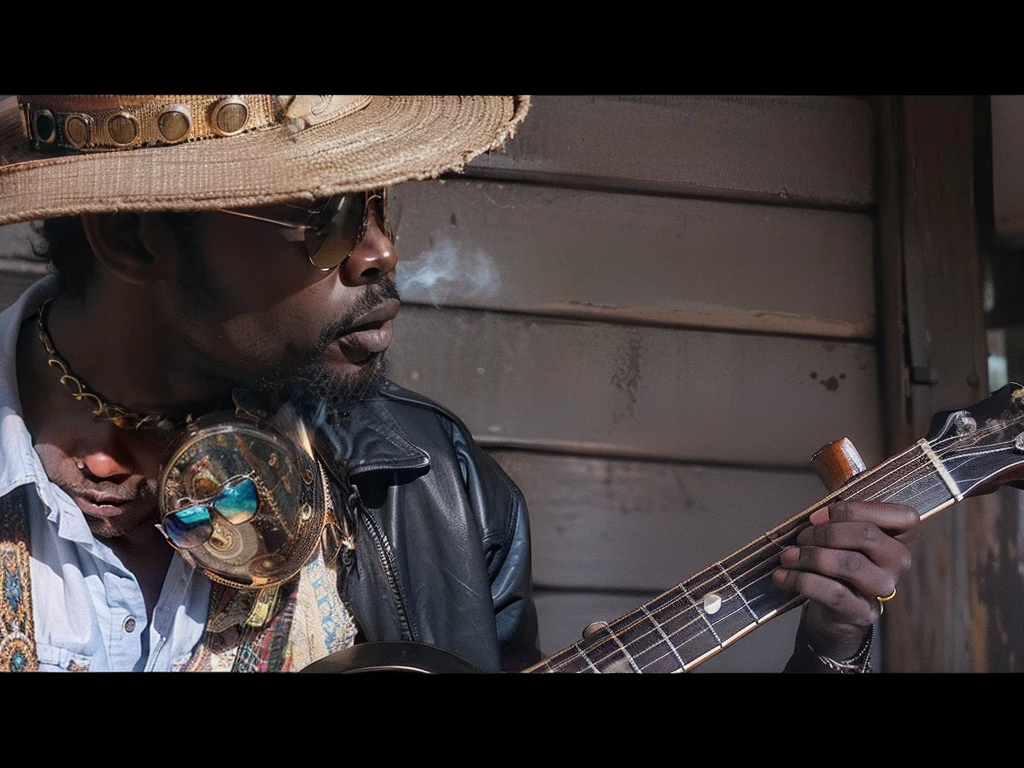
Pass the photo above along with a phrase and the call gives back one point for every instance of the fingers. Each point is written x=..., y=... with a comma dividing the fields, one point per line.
x=900, y=521
x=853, y=553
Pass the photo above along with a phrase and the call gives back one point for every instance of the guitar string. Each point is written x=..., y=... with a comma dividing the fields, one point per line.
x=700, y=585
x=628, y=623
x=617, y=646
x=909, y=478
x=738, y=598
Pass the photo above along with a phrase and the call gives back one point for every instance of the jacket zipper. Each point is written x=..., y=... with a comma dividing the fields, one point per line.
x=355, y=505
x=387, y=561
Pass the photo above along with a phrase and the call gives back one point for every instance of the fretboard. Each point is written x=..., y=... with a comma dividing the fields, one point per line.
x=699, y=617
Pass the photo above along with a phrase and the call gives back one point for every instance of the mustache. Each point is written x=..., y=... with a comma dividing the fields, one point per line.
x=376, y=294
x=117, y=493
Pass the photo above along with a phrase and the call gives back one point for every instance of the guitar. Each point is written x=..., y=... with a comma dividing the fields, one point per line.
x=967, y=453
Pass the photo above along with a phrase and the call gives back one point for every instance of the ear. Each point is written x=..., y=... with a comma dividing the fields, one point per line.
x=138, y=248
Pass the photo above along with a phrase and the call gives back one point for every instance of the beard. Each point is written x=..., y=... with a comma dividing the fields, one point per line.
x=317, y=393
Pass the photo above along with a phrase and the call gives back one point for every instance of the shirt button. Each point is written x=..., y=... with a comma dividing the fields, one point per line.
x=128, y=625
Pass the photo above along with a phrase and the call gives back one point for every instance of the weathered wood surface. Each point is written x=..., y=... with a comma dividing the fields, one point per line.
x=629, y=257
x=792, y=149
x=1007, y=111
x=639, y=391
x=995, y=543
x=645, y=525
x=930, y=626
x=563, y=616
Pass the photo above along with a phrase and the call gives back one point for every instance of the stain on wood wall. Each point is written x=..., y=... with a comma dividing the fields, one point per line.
x=653, y=310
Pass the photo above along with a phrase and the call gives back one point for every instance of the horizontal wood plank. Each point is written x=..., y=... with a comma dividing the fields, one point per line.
x=811, y=149
x=634, y=391
x=640, y=258
x=642, y=525
x=563, y=615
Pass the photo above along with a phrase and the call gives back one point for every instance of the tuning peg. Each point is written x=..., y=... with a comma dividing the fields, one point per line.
x=837, y=462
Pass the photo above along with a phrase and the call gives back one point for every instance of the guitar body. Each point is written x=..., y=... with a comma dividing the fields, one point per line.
x=392, y=657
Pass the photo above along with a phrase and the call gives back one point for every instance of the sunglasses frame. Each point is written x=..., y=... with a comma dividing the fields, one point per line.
x=316, y=235
x=209, y=505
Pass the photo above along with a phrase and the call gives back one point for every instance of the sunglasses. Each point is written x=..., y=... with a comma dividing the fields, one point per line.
x=335, y=226
x=193, y=525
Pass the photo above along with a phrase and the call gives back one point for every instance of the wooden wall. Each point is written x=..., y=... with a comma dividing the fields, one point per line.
x=653, y=310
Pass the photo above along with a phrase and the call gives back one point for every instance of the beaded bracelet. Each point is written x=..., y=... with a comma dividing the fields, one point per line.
x=857, y=664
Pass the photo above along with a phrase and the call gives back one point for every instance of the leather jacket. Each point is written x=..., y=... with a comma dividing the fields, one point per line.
x=442, y=550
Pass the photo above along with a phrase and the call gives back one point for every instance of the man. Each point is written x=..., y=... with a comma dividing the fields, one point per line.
x=226, y=261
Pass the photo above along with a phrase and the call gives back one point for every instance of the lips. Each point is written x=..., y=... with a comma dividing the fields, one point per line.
x=107, y=497
x=102, y=505
x=370, y=334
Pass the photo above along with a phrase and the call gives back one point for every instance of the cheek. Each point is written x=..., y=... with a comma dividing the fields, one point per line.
x=258, y=331
x=253, y=269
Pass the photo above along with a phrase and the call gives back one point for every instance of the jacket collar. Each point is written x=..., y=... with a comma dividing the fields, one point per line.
x=369, y=439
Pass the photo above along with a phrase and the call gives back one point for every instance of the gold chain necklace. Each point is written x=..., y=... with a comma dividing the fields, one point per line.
x=116, y=414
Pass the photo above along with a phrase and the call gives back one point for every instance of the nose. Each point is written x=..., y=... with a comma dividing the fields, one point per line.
x=373, y=257
x=103, y=466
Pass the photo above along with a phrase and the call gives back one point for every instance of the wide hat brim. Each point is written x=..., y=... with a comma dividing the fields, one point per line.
x=391, y=139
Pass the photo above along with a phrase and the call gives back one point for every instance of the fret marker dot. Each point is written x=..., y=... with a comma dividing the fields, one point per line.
x=712, y=603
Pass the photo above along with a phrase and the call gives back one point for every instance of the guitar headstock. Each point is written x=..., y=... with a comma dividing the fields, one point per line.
x=983, y=446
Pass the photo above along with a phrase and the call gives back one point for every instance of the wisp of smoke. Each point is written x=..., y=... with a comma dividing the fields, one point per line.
x=444, y=271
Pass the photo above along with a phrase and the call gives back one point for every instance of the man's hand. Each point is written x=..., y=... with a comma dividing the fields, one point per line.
x=852, y=554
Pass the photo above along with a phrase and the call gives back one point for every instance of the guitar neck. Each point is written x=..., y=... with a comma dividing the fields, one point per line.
x=699, y=617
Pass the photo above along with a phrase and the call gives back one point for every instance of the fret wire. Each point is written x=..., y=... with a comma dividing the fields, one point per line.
x=586, y=657
x=912, y=475
x=701, y=615
x=739, y=593
x=694, y=606
x=667, y=640
x=693, y=603
x=622, y=648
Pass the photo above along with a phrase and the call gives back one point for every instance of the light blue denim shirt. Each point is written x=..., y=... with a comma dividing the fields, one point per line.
x=88, y=610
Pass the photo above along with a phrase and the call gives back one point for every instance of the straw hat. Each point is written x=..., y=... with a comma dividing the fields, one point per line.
x=63, y=155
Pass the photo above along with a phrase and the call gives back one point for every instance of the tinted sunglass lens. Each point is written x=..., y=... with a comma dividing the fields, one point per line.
x=238, y=502
x=331, y=242
x=390, y=213
x=189, y=527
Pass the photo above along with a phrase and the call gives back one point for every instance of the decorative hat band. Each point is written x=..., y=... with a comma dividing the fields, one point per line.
x=104, y=123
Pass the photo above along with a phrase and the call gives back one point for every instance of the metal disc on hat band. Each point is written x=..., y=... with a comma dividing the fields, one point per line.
x=78, y=130
x=228, y=116
x=45, y=126
x=174, y=124
x=123, y=129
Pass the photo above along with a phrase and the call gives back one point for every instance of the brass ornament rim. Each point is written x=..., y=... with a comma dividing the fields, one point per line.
x=176, y=109
x=47, y=113
x=123, y=114
x=87, y=127
x=219, y=107
x=309, y=495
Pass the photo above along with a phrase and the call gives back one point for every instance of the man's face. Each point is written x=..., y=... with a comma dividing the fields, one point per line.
x=262, y=315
